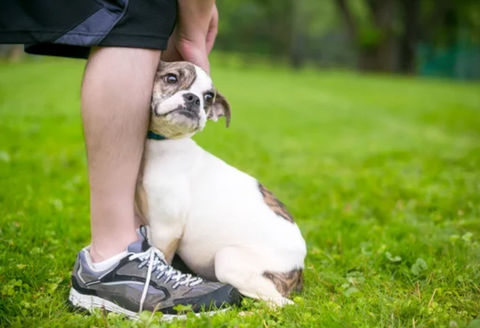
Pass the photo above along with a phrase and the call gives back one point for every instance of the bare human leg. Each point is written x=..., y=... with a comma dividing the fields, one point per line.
x=116, y=93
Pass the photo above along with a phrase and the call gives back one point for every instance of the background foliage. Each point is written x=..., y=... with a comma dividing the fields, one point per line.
x=403, y=36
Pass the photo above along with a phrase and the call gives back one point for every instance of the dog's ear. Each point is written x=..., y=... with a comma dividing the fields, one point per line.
x=220, y=107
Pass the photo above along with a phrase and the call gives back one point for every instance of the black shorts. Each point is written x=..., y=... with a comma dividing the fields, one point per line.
x=69, y=28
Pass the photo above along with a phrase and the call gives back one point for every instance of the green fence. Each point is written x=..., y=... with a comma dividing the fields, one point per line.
x=460, y=61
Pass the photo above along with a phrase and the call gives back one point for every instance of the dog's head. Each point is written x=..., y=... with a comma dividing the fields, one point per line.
x=183, y=99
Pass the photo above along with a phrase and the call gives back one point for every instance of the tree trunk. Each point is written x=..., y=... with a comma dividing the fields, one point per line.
x=280, y=22
x=15, y=53
x=407, y=60
x=348, y=19
x=380, y=57
x=297, y=42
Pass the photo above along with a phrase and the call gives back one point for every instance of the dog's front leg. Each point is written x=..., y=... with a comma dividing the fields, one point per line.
x=166, y=199
x=163, y=235
x=166, y=238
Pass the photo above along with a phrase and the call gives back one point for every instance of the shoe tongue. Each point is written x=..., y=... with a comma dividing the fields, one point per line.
x=141, y=245
x=135, y=247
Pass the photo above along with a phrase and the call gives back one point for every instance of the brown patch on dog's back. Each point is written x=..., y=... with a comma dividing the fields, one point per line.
x=274, y=204
x=286, y=283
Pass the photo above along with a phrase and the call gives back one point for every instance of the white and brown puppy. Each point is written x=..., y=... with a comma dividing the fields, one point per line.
x=222, y=222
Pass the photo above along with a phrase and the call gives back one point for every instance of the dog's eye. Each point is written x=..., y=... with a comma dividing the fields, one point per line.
x=171, y=78
x=208, y=97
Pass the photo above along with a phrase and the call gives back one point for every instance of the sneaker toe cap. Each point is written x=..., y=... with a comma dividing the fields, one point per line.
x=225, y=295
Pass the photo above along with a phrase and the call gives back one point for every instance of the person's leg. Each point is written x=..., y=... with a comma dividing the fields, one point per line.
x=116, y=95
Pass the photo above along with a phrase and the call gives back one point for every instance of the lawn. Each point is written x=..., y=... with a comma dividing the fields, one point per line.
x=381, y=173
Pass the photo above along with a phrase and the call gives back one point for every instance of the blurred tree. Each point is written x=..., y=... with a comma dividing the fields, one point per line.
x=450, y=38
x=386, y=33
x=14, y=52
x=293, y=30
x=280, y=16
x=410, y=17
x=371, y=27
x=373, y=35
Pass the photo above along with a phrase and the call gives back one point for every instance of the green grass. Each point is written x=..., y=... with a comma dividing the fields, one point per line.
x=382, y=175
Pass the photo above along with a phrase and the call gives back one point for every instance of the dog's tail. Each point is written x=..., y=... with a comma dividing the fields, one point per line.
x=286, y=282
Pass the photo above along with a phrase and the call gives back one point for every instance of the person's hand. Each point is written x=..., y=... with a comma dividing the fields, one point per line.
x=192, y=41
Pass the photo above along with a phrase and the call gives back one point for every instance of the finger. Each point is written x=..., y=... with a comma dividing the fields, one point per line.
x=212, y=30
x=200, y=57
x=171, y=53
x=194, y=52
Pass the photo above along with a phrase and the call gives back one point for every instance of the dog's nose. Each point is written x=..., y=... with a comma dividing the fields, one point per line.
x=191, y=99
x=192, y=102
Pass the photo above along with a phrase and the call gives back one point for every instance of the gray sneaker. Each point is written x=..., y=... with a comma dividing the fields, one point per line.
x=142, y=280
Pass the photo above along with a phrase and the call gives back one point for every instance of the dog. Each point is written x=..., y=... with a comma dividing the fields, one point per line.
x=223, y=223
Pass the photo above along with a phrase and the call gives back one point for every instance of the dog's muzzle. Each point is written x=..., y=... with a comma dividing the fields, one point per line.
x=192, y=103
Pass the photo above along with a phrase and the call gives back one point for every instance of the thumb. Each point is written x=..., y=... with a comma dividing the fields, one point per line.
x=203, y=62
x=195, y=53
x=171, y=54
x=212, y=29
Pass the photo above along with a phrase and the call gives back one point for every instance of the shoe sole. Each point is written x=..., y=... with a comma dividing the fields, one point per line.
x=90, y=303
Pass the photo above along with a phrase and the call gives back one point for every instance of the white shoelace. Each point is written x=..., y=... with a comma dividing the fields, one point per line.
x=156, y=263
